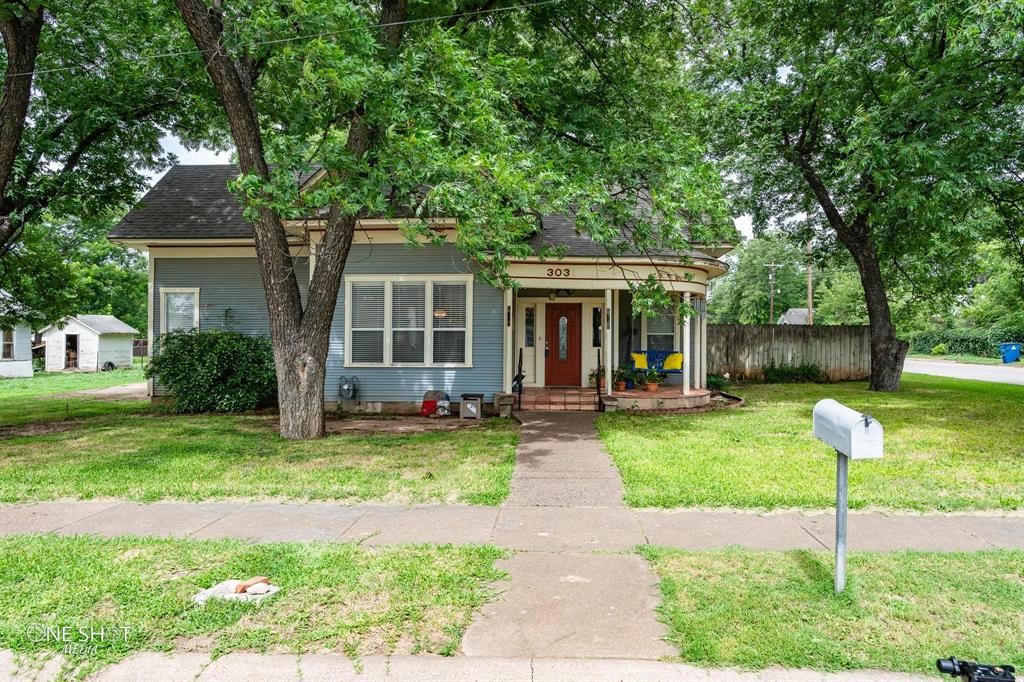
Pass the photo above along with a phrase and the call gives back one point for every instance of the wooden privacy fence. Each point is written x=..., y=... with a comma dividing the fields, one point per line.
x=840, y=351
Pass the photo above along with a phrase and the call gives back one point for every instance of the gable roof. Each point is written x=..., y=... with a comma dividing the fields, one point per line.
x=101, y=324
x=193, y=202
x=794, y=316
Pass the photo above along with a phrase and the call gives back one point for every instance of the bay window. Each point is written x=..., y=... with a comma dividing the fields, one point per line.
x=408, y=320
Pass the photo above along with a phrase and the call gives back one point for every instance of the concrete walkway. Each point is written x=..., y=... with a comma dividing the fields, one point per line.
x=1000, y=374
x=194, y=667
x=522, y=528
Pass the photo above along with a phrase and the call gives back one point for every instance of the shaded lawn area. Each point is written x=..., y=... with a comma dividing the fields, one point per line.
x=950, y=445
x=36, y=399
x=220, y=456
x=900, y=611
x=333, y=597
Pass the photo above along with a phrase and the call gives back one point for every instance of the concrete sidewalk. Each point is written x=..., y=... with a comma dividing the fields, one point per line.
x=194, y=667
x=523, y=528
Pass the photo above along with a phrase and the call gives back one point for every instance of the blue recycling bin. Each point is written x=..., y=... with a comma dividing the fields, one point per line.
x=1010, y=351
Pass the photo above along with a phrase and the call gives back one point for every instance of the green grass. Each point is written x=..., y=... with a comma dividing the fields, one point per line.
x=334, y=597
x=900, y=611
x=35, y=399
x=970, y=359
x=206, y=456
x=949, y=445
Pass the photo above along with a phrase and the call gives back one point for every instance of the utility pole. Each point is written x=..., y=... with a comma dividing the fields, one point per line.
x=810, y=283
x=772, y=267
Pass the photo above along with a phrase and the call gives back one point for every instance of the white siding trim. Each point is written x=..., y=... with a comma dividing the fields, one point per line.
x=178, y=290
x=428, y=281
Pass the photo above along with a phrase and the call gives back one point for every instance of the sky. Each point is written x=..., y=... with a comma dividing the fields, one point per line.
x=208, y=156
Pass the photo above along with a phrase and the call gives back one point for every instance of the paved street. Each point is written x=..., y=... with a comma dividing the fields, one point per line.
x=1000, y=374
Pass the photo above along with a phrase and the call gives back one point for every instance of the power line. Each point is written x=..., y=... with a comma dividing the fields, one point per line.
x=322, y=34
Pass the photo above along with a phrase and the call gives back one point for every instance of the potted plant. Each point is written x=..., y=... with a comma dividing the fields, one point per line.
x=652, y=379
x=621, y=376
x=597, y=378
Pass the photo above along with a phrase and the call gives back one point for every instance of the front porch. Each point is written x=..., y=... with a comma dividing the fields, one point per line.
x=667, y=397
x=560, y=341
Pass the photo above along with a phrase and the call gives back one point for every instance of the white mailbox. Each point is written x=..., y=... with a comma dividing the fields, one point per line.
x=851, y=433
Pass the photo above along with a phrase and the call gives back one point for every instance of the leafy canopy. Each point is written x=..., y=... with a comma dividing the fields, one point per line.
x=904, y=111
x=491, y=119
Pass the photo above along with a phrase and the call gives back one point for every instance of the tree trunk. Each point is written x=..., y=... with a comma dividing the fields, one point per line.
x=887, y=351
x=21, y=43
x=300, y=334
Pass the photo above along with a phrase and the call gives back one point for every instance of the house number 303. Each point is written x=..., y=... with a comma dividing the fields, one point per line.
x=559, y=272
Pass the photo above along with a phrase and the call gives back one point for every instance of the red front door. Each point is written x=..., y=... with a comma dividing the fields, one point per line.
x=562, y=344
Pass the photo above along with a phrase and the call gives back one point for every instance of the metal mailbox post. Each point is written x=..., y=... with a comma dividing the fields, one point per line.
x=853, y=436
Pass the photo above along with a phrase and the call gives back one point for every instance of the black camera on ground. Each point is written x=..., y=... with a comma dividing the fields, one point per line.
x=969, y=671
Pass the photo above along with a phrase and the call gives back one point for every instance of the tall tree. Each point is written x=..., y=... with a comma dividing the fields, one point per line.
x=878, y=125
x=486, y=112
x=88, y=92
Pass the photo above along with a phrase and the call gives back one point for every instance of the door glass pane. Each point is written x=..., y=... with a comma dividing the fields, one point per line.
x=563, y=338
x=529, y=327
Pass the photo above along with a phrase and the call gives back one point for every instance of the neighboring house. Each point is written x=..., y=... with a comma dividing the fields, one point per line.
x=795, y=316
x=88, y=343
x=16, y=351
x=411, y=319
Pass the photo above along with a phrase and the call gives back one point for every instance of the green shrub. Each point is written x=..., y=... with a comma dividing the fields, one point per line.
x=940, y=349
x=717, y=382
x=959, y=341
x=214, y=371
x=791, y=374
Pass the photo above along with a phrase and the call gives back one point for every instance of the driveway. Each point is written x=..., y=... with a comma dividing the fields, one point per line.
x=1000, y=374
x=136, y=391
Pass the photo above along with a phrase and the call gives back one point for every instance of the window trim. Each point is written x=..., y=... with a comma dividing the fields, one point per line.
x=178, y=290
x=428, y=282
x=14, y=345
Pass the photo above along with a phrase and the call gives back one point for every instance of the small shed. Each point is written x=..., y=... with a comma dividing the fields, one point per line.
x=88, y=343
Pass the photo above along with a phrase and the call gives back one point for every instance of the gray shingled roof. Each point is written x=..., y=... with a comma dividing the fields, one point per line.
x=105, y=324
x=189, y=202
x=193, y=202
x=794, y=316
x=558, y=231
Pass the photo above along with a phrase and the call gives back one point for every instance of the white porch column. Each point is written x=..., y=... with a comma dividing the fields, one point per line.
x=704, y=343
x=508, y=362
x=615, y=329
x=687, y=349
x=607, y=326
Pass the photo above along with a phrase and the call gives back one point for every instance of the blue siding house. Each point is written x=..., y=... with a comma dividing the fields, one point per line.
x=415, y=318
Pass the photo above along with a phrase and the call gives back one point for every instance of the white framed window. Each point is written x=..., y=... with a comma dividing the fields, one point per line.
x=179, y=309
x=660, y=332
x=408, y=320
x=7, y=349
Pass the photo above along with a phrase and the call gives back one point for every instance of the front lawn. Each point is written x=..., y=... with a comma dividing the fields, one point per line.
x=950, y=445
x=41, y=398
x=212, y=456
x=333, y=597
x=901, y=611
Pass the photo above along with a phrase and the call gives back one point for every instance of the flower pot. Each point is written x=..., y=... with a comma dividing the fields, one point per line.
x=601, y=384
x=629, y=385
x=651, y=388
x=620, y=385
